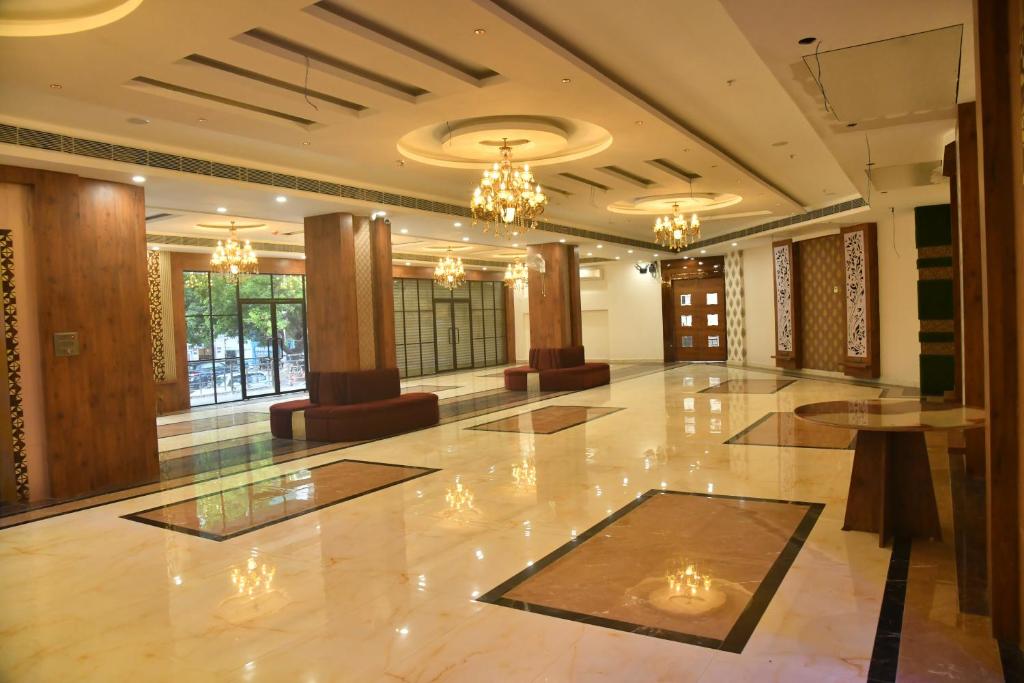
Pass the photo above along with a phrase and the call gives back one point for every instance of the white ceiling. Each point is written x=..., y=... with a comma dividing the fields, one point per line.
x=713, y=87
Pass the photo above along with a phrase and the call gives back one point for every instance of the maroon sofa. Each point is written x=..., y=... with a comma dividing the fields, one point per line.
x=560, y=369
x=354, y=406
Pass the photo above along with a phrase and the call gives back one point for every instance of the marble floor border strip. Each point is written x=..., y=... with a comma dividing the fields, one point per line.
x=483, y=426
x=132, y=491
x=260, y=417
x=885, y=654
x=732, y=441
x=715, y=389
x=745, y=624
x=135, y=516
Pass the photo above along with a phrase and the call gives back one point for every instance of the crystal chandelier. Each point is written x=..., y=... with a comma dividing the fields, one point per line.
x=517, y=276
x=449, y=272
x=675, y=232
x=507, y=199
x=233, y=258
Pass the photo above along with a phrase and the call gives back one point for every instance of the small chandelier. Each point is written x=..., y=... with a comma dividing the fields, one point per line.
x=517, y=276
x=675, y=232
x=233, y=258
x=449, y=272
x=507, y=199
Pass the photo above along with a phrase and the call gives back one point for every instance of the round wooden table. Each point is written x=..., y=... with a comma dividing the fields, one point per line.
x=891, y=490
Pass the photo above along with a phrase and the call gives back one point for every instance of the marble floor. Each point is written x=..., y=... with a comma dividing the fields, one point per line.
x=417, y=558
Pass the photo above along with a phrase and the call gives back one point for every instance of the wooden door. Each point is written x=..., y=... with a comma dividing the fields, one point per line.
x=699, y=319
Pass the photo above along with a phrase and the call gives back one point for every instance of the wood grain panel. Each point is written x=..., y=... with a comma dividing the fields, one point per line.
x=575, y=304
x=331, y=309
x=91, y=279
x=822, y=303
x=551, y=297
x=383, y=295
x=997, y=44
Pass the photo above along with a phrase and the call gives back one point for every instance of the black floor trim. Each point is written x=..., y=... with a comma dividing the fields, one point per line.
x=886, y=653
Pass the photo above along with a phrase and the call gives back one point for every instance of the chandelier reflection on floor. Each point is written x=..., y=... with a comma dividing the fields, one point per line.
x=460, y=498
x=233, y=258
x=449, y=272
x=517, y=276
x=507, y=200
x=257, y=577
x=524, y=473
x=687, y=581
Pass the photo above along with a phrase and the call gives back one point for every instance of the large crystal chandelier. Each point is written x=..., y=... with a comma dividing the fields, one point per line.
x=517, y=276
x=507, y=199
x=675, y=232
x=234, y=258
x=449, y=272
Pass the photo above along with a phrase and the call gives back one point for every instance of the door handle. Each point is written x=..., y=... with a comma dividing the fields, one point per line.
x=458, y=337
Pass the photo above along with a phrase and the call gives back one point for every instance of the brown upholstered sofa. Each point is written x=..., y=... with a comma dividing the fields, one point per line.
x=353, y=406
x=559, y=369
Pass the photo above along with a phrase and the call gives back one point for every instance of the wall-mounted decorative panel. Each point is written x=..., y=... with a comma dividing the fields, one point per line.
x=787, y=310
x=734, y=311
x=935, y=305
x=15, y=428
x=860, y=262
x=161, y=317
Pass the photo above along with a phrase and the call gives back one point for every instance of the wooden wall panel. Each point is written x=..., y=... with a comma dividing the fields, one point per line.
x=331, y=307
x=997, y=44
x=575, y=303
x=91, y=279
x=551, y=297
x=383, y=294
x=822, y=303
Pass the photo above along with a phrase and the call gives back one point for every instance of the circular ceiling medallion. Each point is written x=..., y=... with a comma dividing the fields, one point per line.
x=441, y=249
x=663, y=204
x=227, y=225
x=27, y=18
x=474, y=142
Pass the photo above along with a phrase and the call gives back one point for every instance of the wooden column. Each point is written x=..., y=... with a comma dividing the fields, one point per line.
x=997, y=44
x=555, y=314
x=972, y=347
x=860, y=257
x=332, y=313
x=383, y=293
x=787, y=305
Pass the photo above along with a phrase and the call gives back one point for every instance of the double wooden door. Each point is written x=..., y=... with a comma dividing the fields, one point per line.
x=698, y=320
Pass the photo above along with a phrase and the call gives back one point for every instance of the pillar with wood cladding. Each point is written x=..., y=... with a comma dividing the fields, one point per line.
x=556, y=318
x=349, y=306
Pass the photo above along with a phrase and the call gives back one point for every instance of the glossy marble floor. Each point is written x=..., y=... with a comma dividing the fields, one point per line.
x=331, y=567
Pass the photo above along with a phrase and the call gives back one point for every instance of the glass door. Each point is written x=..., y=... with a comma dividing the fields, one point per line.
x=259, y=353
x=290, y=349
x=461, y=334
x=444, y=333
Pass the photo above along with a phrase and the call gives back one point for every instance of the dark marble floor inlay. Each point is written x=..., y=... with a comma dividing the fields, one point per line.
x=205, y=424
x=748, y=386
x=786, y=429
x=428, y=388
x=689, y=567
x=547, y=420
x=243, y=509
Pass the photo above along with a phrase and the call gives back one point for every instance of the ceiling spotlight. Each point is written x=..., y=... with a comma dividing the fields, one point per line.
x=138, y=178
x=280, y=199
x=138, y=121
x=562, y=241
x=155, y=247
x=200, y=120
x=404, y=231
x=629, y=251
x=479, y=31
x=515, y=244
x=655, y=256
x=302, y=256
x=807, y=41
x=639, y=122
x=703, y=251
x=466, y=238
x=222, y=209
x=734, y=243
x=590, y=253
x=485, y=267
x=305, y=143
x=566, y=80
x=617, y=258
x=408, y=263
x=457, y=224
x=56, y=86
x=600, y=246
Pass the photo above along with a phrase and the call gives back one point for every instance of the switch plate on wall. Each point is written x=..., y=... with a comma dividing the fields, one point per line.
x=65, y=344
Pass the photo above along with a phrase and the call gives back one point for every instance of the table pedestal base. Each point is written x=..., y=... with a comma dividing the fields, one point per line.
x=891, y=489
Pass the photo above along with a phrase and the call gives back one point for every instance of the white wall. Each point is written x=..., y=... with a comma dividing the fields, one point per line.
x=621, y=316
x=897, y=282
x=759, y=305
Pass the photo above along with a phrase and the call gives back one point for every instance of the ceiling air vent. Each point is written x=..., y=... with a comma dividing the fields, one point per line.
x=670, y=168
x=226, y=101
x=628, y=176
x=580, y=179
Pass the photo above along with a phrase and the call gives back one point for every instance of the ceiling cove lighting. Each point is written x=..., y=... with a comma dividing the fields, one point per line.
x=516, y=276
x=507, y=200
x=233, y=258
x=449, y=272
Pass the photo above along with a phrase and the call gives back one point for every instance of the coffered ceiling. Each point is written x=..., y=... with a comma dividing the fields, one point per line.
x=619, y=103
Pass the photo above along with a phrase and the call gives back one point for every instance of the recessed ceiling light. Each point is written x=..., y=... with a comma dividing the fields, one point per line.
x=562, y=240
x=280, y=199
x=807, y=41
x=590, y=253
x=56, y=86
x=639, y=122
x=617, y=258
x=155, y=247
x=457, y=224
x=567, y=80
x=480, y=31
x=138, y=178
x=600, y=246
x=655, y=256
x=629, y=251
x=138, y=121
x=408, y=263
x=515, y=244
x=465, y=239
x=734, y=244
x=200, y=120
x=404, y=231
x=703, y=251
x=485, y=267
x=305, y=143
x=302, y=256
x=222, y=209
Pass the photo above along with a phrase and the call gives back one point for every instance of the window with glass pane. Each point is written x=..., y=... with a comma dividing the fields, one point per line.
x=288, y=286
x=254, y=287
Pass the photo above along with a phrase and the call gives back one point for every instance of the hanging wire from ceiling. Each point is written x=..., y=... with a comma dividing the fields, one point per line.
x=305, y=86
x=868, y=167
x=892, y=217
x=820, y=83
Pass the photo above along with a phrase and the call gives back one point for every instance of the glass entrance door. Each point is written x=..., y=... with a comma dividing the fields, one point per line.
x=290, y=324
x=259, y=351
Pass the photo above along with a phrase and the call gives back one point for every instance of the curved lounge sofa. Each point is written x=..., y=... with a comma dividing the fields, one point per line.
x=353, y=406
x=559, y=369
